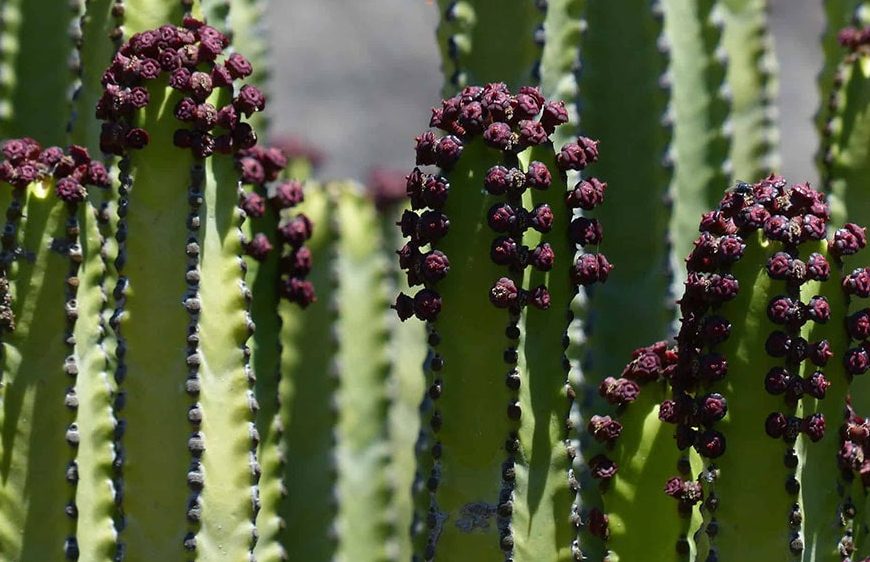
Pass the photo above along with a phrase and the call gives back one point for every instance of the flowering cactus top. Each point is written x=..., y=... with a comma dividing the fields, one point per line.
x=26, y=162
x=511, y=124
x=187, y=57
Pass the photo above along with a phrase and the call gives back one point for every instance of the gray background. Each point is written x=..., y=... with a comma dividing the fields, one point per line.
x=357, y=78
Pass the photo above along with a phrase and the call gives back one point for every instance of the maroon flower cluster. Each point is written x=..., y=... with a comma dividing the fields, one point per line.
x=854, y=39
x=260, y=166
x=649, y=364
x=786, y=214
x=508, y=123
x=188, y=57
x=25, y=161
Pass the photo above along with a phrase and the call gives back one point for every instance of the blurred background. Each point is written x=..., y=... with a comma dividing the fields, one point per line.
x=363, y=97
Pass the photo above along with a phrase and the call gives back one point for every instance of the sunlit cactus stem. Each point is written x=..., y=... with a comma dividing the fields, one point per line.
x=503, y=488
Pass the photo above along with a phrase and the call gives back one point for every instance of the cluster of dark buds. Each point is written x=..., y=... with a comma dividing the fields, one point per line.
x=386, y=187
x=25, y=162
x=510, y=124
x=188, y=57
x=855, y=39
x=261, y=168
x=854, y=454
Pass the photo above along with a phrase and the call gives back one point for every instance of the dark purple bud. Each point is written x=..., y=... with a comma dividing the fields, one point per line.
x=432, y=226
x=541, y=218
x=819, y=310
x=813, y=426
x=598, y=524
x=712, y=408
x=244, y=136
x=254, y=205
x=434, y=266
x=618, y=391
x=781, y=310
x=221, y=77
x=447, y=151
x=602, y=468
x=721, y=288
x=472, y=118
x=200, y=86
x=434, y=191
x=778, y=266
x=497, y=102
x=298, y=291
x=296, y=231
x=525, y=106
x=577, y=155
x=816, y=385
x=715, y=330
x=504, y=293
x=542, y=257
x=288, y=194
x=259, y=247
x=777, y=380
x=798, y=350
x=502, y=217
x=504, y=251
x=51, y=156
x=710, y=444
x=668, y=412
x=587, y=194
x=685, y=436
x=425, y=148
x=591, y=268
x=185, y=110
x=170, y=60
x=499, y=135
x=539, y=297
x=497, y=180
x=138, y=98
x=712, y=367
x=554, y=115
x=777, y=344
x=535, y=93
x=70, y=190
x=532, y=133
x=731, y=249
x=250, y=100
x=182, y=138
x=715, y=222
x=818, y=268
x=179, y=79
x=238, y=66
x=227, y=117
x=404, y=306
x=859, y=324
x=604, y=429
x=857, y=361
x=538, y=175
x=848, y=240
x=409, y=255
x=586, y=232
x=97, y=174
x=427, y=305
x=775, y=424
x=136, y=138
x=250, y=170
x=858, y=283
x=813, y=227
x=820, y=352
x=205, y=117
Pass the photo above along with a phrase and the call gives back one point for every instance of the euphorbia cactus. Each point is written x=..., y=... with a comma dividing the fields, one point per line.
x=494, y=248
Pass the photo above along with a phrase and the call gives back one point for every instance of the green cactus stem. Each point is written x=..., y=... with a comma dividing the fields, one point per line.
x=752, y=83
x=501, y=490
x=698, y=111
x=42, y=270
x=306, y=393
x=640, y=446
x=482, y=42
x=560, y=60
x=33, y=43
x=187, y=200
x=845, y=160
